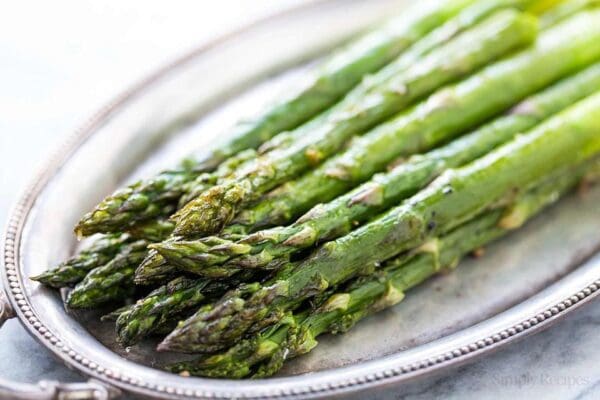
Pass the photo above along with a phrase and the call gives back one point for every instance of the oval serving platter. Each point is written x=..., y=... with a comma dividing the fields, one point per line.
x=522, y=284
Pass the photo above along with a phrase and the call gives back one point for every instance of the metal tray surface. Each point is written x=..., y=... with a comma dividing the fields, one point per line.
x=524, y=282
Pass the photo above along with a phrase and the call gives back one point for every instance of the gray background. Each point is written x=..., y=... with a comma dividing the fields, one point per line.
x=61, y=60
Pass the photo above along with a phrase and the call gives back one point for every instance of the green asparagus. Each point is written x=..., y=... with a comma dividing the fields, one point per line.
x=262, y=355
x=160, y=307
x=567, y=139
x=156, y=196
x=565, y=10
x=153, y=269
x=110, y=282
x=207, y=180
x=153, y=198
x=102, y=251
x=338, y=75
x=146, y=315
x=153, y=230
x=464, y=20
x=340, y=216
x=430, y=137
x=76, y=268
x=494, y=37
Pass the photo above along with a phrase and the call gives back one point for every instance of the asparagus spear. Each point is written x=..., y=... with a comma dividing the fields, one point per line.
x=158, y=309
x=156, y=269
x=146, y=315
x=340, y=216
x=139, y=201
x=110, y=282
x=206, y=180
x=156, y=196
x=152, y=198
x=76, y=268
x=153, y=230
x=565, y=10
x=567, y=139
x=330, y=81
x=296, y=334
x=101, y=251
x=153, y=269
x=494, y=37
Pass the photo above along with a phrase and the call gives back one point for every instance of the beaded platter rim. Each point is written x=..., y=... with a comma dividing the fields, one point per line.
x=346, y=380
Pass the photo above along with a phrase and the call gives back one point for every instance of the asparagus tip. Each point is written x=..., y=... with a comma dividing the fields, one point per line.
x=210, y=211
x=42, y=278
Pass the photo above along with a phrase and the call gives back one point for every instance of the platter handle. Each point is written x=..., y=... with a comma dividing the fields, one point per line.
x=49, y=390
x=6, y=311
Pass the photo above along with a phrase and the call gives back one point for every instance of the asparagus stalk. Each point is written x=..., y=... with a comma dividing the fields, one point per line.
x=76, y=268
x=102, y=251
x=567, y=139
x=159, y=308
x=154, y=269
x=153, y=230
x=207, y=180
x=340, y=216
x=494, y=37
x=156, y=196
x=152, y=198
x=335, y=77
x=263, y=354
x=565, y=10
x=110, y=282
x=146, y=315
x=139, y=201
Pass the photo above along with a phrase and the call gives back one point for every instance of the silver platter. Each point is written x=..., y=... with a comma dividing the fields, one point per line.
x=523, y=284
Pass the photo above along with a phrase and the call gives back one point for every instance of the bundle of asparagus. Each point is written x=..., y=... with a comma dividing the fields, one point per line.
x=420, y=142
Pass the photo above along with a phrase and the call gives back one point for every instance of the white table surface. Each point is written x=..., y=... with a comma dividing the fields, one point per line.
x=61, y=60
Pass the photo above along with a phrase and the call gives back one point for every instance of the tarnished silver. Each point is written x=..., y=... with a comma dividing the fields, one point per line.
x=523, y=284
